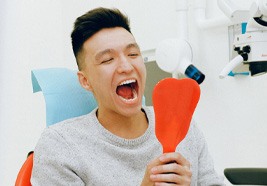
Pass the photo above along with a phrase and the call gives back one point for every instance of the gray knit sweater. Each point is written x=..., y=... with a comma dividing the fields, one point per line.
x=80, y=151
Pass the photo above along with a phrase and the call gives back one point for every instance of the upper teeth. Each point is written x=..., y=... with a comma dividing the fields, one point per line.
x=127, y=82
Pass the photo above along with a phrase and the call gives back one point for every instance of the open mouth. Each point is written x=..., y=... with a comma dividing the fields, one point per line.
x=127, y=90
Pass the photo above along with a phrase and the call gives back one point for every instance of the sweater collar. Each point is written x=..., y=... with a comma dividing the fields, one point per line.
x=127, y=143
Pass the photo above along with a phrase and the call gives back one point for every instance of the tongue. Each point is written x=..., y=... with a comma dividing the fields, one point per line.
x=125, y=92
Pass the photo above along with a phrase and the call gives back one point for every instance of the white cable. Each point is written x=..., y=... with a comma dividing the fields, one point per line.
x=230, y=66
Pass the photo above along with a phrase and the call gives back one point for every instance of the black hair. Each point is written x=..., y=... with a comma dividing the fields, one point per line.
x=93, y=21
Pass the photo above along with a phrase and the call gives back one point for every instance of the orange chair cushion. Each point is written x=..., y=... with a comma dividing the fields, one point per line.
x=24, y=176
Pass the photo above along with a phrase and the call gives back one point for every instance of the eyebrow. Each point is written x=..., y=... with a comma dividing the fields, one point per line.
x=133, y=45
x=108, y=51
x=99, y=54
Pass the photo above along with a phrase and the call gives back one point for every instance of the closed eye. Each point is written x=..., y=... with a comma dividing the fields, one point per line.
x=107, y=60
x=133, y=54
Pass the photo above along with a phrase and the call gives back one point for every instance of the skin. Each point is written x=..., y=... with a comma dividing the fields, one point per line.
x=168, y=170
x=108, y=58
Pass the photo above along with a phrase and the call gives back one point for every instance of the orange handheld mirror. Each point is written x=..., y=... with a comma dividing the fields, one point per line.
x=174, y=102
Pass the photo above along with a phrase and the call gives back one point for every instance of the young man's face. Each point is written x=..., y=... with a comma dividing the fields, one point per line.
x=114, y=71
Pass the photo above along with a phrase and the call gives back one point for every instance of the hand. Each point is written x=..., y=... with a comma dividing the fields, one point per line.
x=168, y=169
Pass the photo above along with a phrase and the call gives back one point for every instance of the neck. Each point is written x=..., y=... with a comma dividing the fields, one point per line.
x=124, y=127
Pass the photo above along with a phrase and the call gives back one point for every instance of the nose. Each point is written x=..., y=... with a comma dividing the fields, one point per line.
x=125, y=65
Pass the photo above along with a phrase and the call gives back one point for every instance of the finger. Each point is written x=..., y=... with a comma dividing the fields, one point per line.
x=166, y=168
x=164, y=184
x=167, y=178
x=171, y=168
x=171, y=179
x=177, y=157
x=155, y=162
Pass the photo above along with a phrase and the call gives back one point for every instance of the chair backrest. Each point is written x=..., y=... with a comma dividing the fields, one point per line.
x=64, y=96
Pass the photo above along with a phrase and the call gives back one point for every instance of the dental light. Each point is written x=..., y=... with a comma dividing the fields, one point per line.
x=175, y=56
x=251, y=47
x=233, y=11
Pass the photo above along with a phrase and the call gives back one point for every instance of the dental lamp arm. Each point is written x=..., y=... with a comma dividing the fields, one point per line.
x=231, y=65
x=258, y=14
x=252, y=42
x=259, y=9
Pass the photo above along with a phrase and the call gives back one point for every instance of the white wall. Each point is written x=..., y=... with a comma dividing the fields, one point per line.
x=36, y=34
x=231, y=111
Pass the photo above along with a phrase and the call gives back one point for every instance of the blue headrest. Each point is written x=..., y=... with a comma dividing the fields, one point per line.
x=64, y=96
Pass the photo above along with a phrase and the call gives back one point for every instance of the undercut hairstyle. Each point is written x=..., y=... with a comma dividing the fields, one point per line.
x=93, y=21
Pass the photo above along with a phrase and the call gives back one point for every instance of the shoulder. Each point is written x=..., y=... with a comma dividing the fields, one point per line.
x=68, y=131
x=194, y=133
x=193, y=141
x=76, y=123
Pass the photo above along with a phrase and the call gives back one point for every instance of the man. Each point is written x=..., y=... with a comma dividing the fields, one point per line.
x=115, y=144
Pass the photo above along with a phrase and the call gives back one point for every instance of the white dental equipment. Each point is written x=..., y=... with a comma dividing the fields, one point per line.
x=251, y=46
x=175, y=56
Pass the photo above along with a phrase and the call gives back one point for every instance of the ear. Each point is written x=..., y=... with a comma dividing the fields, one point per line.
x=84, y=81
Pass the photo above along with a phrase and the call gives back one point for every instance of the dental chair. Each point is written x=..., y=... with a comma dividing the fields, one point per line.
x=64, y=99
x=246, y=176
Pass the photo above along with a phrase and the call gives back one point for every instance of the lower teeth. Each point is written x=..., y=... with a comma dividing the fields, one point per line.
x=131, y=99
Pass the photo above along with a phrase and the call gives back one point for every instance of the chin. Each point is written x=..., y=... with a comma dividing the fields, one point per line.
x=130, y=111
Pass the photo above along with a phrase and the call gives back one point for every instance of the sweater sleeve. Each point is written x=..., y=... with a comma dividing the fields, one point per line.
x=54, y=162
x=207, y=175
